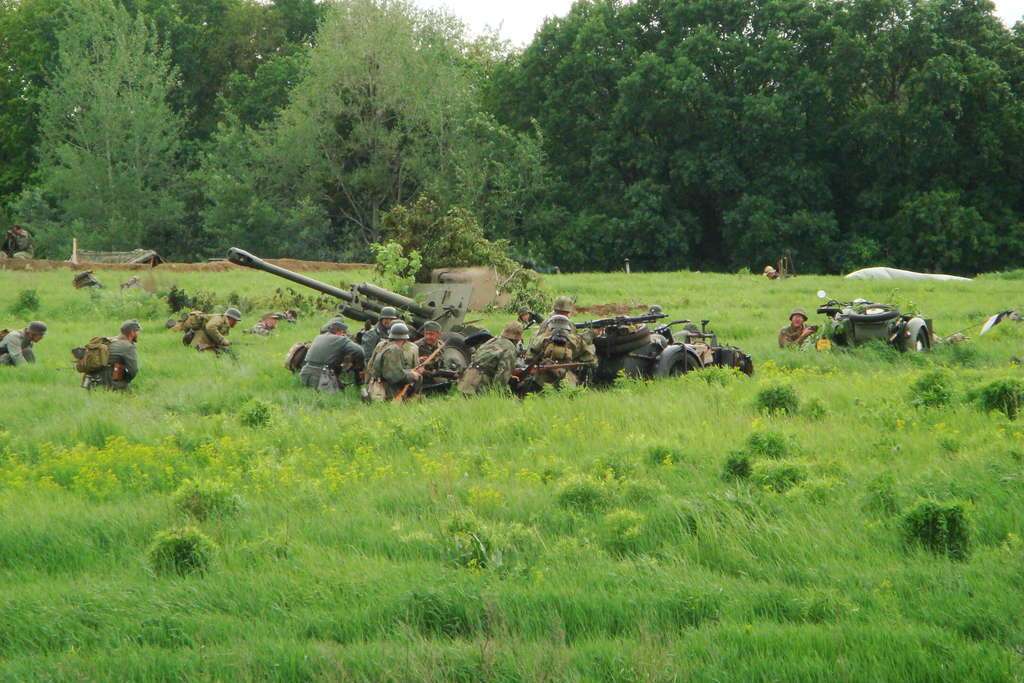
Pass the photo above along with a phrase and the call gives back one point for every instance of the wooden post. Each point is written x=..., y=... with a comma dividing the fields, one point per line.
x=627, y=266
x=74, y=250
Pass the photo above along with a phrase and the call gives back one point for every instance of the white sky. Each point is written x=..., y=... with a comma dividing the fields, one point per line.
x=517, y=20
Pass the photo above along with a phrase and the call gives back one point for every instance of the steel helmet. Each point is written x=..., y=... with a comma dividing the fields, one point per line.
x=798, y=311
x=398, y=331
x=559, y=323
x=513, y=331
x=233, y=313
x=388, y=312
x=431, y=326
x=563, y=304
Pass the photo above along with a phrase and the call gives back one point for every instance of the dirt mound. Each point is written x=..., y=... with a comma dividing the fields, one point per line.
x=609, y=310
x=210, y=267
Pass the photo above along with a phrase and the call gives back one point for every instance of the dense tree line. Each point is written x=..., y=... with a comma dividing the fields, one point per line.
x=678, y=133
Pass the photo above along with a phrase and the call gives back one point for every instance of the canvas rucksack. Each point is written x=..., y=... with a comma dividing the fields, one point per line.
x=296, y=356
x=4, y=333
x=94, y=356
x=195, y=320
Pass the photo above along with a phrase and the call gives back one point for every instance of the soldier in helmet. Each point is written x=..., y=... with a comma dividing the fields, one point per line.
x=561, y=344
x=327, y=356
x=16, y=346
x=379, y=332
x=122, y=362
x=212, y=336
x=563, y=306
x=797, y=331
x=492, y=363
x=770, y=273
x=17, y=244
x=393, y=365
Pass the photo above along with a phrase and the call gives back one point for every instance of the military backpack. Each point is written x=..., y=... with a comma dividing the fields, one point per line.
x=93, y=357
x=193, y=322
x=4, y=333
x=296, y=356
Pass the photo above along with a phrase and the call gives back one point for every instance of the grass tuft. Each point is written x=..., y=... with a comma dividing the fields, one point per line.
x=939, y=527
x=181, y=551
x=778, y=399
x=206, y=499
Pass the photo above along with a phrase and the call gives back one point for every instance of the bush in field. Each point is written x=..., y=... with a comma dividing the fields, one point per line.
x=932, y=390
x=1004, y=395
x=768, y=445
x=663, y=455
x=584, y=494
x=475, y=544
x=941, y=528
x=814, y=409
x=622, y=531
x=181, y=551
x=779, y=477
x=737, y=466
x=255, y=413
x=776, y=399
x=881, y=498
x=205, y=499
x=27, y=301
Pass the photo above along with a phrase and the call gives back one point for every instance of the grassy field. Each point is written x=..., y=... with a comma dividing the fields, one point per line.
x=652, y=531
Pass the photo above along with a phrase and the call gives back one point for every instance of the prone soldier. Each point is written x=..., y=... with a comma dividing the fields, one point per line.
x=16, y=346
x=327, y=356
x=267, y=324
x=492, y=362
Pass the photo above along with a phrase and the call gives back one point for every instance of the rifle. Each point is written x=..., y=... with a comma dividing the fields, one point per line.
x=404, y=391
x=534, y=368
x=620, y=321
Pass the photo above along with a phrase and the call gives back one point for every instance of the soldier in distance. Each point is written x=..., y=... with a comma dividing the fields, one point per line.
x=392, y=365
x=123, y=360
x=369, y=339
x=16, y=348
x=213, y=335
x=797, y=331
x=560, y=345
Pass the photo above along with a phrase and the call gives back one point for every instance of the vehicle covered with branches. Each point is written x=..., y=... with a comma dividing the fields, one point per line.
x=861, y=321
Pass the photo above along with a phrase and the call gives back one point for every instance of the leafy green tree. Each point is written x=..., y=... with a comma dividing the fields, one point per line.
x=109, y=137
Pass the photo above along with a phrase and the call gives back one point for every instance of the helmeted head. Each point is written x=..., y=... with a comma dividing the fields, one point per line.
x=130, y=329
x=233, y=315
x=388, y=315
x=800, y=316
x=270, y=321
x=398, y=332
x=523, y=315
x=563, y=306
x=770, y=272
x=655, y=309
x=513, y=332
x=336, y=326
x=36, y=330
x=431, y=332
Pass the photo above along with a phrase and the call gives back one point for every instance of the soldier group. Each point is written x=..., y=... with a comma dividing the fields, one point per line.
x=17, y=243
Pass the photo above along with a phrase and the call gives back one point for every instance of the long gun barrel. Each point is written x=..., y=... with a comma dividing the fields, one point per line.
x=620, y=321
x=397, y=300
x=240, y=257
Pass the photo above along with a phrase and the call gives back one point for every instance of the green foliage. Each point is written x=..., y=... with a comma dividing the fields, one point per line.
x=395, y=270
x=205, y=499
x=932, y=390
x=26, y=302
x=583, y=494
x=255, y=413
x=779, y=477
x=1002, y=395
x=182, y=551
x=940, y=527
x=777, y=399
x=737, y=466
x=882, y=497
x=622, y=531
x=768, y=444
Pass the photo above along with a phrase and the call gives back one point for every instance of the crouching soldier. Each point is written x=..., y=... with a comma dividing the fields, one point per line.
x=212, y=336
x=797, y=331
x=122, y=364
x=392, y=366
x=492, y=363
x=16, y=347
x=327, y=356
x=561, y=345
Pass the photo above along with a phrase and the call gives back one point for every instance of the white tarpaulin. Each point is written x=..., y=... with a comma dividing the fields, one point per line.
x=882, y=273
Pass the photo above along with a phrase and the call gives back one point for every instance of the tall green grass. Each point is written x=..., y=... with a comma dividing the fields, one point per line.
x=589, y=536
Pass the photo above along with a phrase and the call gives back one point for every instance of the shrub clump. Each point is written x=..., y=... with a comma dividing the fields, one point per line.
x=663, y=455
x=475, y=544
x=768, y=444
x=584, y=494
x=881, y=498
x=205, y=499
x=622, y=531
x=941, y=528
x=255, y=413
x=1003, y=395
x=780, y=477
x=776, y=399
x=932, y=390
x=737, y=466
x=27, y=301
x=814, y=409
x=181, y=551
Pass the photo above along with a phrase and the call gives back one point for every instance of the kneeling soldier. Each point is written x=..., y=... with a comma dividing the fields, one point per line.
x=213, y=334
x=123, y=360
x=326, y=356
x=493, y=362
x=393, y=365
x=16, y=347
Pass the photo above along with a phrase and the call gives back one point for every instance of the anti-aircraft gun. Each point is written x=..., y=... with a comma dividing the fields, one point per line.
x=363, y=302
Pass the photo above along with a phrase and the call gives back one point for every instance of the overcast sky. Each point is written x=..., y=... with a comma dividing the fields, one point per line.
x=517, y=20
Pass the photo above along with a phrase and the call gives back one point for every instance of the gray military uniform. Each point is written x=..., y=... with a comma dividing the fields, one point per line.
x=16, y=349
x=325, y=356
x=371, y=338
